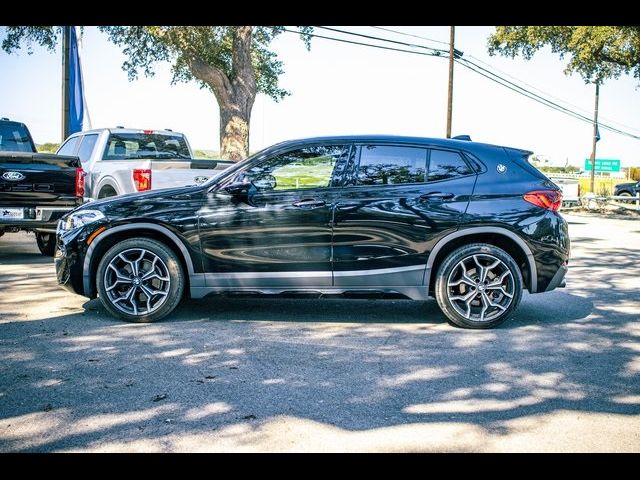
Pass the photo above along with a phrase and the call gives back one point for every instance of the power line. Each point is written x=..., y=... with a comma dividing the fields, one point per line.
x=538, y=98
x=410, y=35
x=469, y=65
x=501, y=71
x=315, y=35
x=371, y=37
x=587, y=112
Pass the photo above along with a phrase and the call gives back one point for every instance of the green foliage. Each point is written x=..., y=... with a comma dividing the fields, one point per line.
x=207, y=154
x=567, y=169
x=44, y=36
x=49, y=147
x=634, y=173
x=595, y=52
x=185, y=47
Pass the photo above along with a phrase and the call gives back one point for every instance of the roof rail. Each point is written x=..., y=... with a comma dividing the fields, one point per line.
x=5, y=118
x=462, y=137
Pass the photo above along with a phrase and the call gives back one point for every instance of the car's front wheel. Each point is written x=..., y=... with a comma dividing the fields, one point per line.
x=140, y=280
x=478, y=286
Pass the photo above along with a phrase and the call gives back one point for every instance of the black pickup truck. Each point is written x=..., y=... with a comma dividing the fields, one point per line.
x=36, y=189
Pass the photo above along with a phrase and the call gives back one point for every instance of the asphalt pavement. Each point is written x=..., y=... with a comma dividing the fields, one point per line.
x=281, y=374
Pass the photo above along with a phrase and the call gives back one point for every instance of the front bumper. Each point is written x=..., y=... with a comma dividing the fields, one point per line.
x=69, y=258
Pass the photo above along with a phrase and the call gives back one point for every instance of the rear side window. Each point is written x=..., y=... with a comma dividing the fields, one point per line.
x=14, y=138
x=69, y=146
x=444, y=164
x=86, y=147
x=131, y=146
x=390, y=165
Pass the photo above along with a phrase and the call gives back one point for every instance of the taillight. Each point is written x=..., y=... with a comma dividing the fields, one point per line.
x=142, y=179
x=547, y=199
x=80, y=173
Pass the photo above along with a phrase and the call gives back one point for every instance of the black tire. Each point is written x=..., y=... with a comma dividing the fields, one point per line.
x=46, y=243
x=106, y=192
x=446, y=295
x=625, y=194
x=169, y=263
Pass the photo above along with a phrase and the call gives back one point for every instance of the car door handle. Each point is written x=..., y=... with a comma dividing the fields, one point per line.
x=309, y=203
x=437, y=196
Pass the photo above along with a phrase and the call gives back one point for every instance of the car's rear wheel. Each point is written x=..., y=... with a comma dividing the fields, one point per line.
x=46, y=243
x=478, y=286
x=140, y=280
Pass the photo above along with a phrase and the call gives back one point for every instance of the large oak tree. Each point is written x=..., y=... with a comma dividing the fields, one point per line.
x=595, y=52
x=234, y=62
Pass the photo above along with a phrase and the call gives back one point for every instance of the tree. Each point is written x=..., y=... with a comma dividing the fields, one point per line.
x=234, y=62
x=596, y=52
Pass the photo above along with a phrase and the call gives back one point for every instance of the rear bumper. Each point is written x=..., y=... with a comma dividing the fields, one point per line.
x=558, y=280
x=37, y=218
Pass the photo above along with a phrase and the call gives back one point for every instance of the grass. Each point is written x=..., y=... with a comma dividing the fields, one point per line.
x=298, y=175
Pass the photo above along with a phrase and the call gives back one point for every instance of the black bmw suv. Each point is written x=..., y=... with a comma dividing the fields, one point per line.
x=469, y=223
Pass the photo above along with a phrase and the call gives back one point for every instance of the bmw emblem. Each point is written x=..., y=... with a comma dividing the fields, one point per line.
x=13, y=176
x=501, y=168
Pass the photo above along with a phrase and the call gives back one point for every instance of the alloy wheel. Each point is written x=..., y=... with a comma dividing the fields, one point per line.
x=480, y=287
x=137, y=281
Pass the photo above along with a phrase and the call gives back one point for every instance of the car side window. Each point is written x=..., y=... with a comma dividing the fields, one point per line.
x=69, y=146
x=86, y=147
x=383, y=165
x=303, y=168
x=444, y=164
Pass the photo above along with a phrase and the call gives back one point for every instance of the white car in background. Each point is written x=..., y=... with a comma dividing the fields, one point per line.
x=125, y=160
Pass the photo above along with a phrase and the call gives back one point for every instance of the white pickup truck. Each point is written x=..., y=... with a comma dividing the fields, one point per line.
x=124, y=160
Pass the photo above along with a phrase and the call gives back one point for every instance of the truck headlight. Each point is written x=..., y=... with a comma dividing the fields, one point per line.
x=79, y=219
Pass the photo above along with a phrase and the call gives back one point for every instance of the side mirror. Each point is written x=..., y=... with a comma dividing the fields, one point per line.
x=266, y=182
x=236, y=188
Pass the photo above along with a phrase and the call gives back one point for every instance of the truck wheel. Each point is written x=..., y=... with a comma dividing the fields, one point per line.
x=106, y=192
x=478, y=286
x=46, y=243
x=140, y=280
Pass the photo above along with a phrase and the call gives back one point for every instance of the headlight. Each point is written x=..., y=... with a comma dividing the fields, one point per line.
x=80, y=218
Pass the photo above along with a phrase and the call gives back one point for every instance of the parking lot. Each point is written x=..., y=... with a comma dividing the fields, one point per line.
x=283, y=374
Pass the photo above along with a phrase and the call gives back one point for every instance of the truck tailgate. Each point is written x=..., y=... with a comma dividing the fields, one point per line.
x=37, y=177
x=166, y=174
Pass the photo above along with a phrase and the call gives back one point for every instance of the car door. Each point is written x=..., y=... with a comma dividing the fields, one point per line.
x=391, y=212
x=269, y=224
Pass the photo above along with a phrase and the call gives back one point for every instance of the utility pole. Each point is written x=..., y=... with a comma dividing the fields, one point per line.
x=595, y=139
x=66, y=40
x=450, y=94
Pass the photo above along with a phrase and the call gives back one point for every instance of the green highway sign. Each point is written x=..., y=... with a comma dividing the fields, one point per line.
x=603, y=165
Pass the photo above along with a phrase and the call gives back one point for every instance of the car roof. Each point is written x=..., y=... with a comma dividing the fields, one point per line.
x=130, y=130
x=427, y=141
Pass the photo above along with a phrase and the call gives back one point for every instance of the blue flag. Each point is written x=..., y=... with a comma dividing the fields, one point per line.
x=597, y=133
x=76, y=96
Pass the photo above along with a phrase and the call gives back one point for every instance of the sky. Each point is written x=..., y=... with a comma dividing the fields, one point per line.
x=340, y=89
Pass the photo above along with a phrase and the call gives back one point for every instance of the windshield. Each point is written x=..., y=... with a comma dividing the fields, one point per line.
x=130, y=146
x=14, y=138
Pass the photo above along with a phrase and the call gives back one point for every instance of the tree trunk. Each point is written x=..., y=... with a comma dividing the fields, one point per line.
x=234, y=132
x=235, y=94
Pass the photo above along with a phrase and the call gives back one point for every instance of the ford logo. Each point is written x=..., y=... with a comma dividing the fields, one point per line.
x=13, y=176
